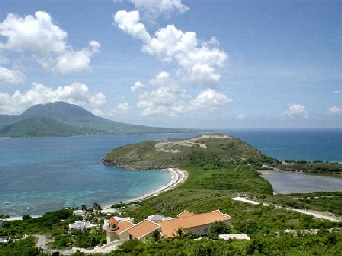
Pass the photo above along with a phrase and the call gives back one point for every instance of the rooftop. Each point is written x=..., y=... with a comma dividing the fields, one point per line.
x=122, y=226
x=142, y=228
x=170, y=227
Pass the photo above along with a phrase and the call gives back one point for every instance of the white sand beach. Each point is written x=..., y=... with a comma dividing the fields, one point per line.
x=177, y=177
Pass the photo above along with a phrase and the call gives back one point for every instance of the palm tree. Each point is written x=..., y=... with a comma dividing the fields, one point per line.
x=84, y=207
x=97, y=207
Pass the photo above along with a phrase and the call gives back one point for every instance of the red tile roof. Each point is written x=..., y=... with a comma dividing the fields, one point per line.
x=170, y=227
x=185, y=214
x=142, y=228
x=122, y=226
x=112, y=221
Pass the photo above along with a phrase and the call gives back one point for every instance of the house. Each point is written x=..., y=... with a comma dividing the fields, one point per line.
x=81, y=225
x=117, y=229
x=193, y=224
x=119, y=219
x=143, y=229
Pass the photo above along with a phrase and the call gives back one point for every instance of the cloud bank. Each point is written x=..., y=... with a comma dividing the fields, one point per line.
x=47, y=44
x=196, y=63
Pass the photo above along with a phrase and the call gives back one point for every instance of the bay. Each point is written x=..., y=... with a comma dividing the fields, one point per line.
x=52, y=173
x=47, y=174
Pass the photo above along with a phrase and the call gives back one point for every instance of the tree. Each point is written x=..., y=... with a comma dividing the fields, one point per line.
x=156, y=235
x=26, y=217
x=97, y=207
x=84, y=207
x=219, y=227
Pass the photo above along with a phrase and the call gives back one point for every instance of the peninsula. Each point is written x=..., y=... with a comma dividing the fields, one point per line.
x=222, y=178
x=215, y=149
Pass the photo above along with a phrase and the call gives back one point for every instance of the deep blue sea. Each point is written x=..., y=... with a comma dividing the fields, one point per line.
x=51, y=173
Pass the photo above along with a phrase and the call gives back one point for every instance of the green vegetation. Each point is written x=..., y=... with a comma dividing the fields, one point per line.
x=314, y=167
x=223, y=169
x=24, y=247
x=203, y=151
x=50, y=223
x=39, y=127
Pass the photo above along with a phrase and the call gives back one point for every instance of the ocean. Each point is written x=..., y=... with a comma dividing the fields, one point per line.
x=47, y=174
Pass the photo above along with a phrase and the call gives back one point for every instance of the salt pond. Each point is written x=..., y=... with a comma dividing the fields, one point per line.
x=292, y=182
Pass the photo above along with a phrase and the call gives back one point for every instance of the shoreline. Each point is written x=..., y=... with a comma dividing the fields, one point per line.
x=177, y=176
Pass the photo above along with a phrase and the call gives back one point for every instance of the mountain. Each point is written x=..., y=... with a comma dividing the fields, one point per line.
x=64, y=119
x=39, y=127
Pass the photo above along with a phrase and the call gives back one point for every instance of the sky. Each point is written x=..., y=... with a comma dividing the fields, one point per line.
x=173, y=63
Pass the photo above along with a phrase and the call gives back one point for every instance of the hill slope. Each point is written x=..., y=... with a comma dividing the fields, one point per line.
x=39, y=127
x=82, y=121
x=206, y=149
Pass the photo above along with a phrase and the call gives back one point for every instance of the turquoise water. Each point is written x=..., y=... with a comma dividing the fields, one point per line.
x=51, y=173
x=294, y=144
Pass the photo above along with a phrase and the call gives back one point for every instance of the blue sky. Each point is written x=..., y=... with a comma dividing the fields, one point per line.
x=173, y=63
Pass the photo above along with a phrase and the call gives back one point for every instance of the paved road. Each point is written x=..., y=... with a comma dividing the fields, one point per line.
x=319, y=215
x=41, y=241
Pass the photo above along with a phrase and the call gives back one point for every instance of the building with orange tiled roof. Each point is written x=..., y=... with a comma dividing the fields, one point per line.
x=185, y=214
x=117, y=230
x=143, y=229
x=194, y=224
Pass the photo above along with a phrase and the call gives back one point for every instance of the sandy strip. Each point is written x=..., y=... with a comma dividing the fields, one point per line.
x=177, y=177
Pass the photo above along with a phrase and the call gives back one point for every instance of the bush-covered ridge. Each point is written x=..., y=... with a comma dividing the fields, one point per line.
x=206, y=149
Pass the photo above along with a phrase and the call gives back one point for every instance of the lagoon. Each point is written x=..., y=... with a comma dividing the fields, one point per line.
x=285, y=182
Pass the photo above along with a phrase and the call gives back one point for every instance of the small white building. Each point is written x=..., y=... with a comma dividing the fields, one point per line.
x=234, y=236
x=81, y=225
x=79, y=212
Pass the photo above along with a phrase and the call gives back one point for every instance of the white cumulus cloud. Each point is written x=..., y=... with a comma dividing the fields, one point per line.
x=76, y=93
x=155, y=8
x=197, y=61
x=11, y=77
x=210, y=99
x=167, y=99
x=46, y=42
x=296, y=111
x=129, y=23
x=36, y=33
x=335, y=110
x=72, y=62
x=123, y=107
x=138, y=86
